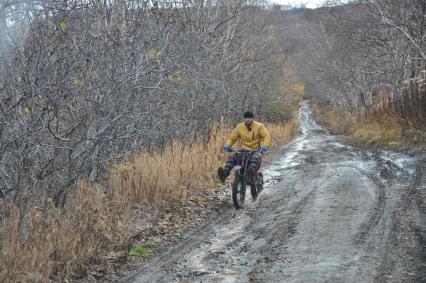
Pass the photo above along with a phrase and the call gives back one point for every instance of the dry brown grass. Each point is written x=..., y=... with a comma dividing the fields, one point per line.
x=165, y=178
x=378, y=129
x=283, y=132
x=47, y=243
x=50, y=243
x=337, y=122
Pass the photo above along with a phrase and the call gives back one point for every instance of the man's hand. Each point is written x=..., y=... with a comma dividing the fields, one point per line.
x=263, y=148
x=227, y=148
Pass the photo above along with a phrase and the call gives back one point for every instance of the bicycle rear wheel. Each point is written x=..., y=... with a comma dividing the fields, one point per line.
x=257, y=185
x=254, y=190
x=259, y=182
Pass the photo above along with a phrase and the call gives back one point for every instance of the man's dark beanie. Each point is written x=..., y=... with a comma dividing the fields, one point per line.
x=248, y=114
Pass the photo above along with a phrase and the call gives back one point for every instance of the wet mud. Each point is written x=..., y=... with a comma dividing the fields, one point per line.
x=330, y=212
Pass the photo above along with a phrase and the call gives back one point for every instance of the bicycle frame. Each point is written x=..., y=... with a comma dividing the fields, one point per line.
x=243, y=158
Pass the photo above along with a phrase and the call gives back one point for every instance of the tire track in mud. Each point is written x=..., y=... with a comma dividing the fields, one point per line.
x=414, y=199
x=406, y=247
x=383, y=175
x=376, y=212
x=155, y=265
x=420, y=179
x=393, y=225
x=284, y=231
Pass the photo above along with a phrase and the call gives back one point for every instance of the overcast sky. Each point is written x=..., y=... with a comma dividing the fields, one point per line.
x=309, y=3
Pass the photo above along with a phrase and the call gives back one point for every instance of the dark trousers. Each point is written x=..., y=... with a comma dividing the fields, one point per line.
x=253, y=164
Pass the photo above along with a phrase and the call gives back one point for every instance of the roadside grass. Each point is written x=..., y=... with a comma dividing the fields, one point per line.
x=378, y=130
x=140, y=250
x=283, y=132
x=415, y=136
x=336, y=122
x=42, y=242
x=167, y=177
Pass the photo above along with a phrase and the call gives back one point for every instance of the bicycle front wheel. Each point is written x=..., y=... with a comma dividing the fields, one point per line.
x=238, y=191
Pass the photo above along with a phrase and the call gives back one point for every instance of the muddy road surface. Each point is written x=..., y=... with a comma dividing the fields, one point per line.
x=329, y=213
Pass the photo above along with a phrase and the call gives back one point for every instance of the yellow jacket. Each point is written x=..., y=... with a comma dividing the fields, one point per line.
x=251, y=137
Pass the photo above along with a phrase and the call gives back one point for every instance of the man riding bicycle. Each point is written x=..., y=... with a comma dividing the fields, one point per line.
x=252, y=135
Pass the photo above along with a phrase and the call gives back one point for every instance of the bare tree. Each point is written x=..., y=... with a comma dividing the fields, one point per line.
x=94, y=81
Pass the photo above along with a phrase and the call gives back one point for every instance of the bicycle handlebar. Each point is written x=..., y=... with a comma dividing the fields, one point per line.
x=243, y=150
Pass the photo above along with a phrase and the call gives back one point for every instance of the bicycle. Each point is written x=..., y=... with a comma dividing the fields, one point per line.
x=241, y=180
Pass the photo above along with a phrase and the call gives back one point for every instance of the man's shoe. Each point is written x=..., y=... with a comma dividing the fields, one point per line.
x=222, y=173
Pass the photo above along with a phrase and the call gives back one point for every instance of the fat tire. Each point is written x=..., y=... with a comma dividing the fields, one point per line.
x=254, y=190
x=260, y=186
x=238, y=180
x=257, y=187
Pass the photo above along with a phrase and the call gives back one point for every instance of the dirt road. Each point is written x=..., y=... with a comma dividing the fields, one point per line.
x=330, y=213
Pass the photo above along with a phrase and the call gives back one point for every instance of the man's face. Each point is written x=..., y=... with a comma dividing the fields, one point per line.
x=248, y=121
